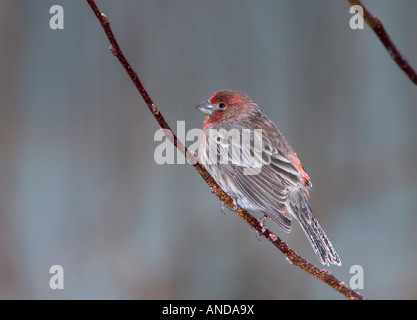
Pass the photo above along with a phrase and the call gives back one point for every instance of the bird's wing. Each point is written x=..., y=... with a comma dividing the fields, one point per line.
x=264, y=176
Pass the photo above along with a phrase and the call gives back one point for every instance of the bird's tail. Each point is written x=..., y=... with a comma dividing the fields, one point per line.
x=321, y=244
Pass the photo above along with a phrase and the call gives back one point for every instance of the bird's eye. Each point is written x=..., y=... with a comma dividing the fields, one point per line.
x=222, y=105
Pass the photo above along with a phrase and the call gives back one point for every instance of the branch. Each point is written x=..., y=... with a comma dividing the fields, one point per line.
x=376, y=25
x=292, y=256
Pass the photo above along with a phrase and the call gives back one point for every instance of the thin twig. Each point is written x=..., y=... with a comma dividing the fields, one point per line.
x=376, y=25
x=292, y=256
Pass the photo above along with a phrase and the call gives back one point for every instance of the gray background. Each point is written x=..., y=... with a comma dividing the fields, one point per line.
x=79, y=186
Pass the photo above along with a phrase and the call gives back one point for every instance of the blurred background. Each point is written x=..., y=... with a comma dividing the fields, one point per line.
x=79, y=186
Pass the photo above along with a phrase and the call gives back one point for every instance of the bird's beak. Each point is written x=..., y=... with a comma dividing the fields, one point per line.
x=206, y=108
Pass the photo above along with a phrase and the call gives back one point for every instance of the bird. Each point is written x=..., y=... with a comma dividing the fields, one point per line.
x=264, y=174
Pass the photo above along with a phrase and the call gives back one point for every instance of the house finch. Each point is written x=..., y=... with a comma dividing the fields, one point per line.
x=277, y=186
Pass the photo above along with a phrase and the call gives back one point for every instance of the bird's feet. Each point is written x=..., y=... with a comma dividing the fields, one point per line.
x=262, y=223
x=222, y=207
